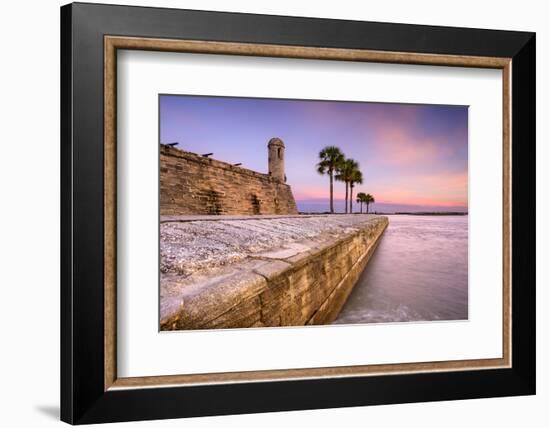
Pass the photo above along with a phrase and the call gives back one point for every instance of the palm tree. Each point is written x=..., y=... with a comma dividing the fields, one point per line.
x=356, y=178
x=331, y=157
x=346, y=173
x=369, y=199
x=360, y=199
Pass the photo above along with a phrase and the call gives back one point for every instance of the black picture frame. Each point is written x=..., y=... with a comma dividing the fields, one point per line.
x=83, y=398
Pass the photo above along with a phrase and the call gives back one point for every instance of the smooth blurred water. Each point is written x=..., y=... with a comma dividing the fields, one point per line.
x=419, y=272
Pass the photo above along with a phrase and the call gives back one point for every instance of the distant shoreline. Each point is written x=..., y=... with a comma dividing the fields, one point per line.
x=426, y=213
x=434, y=213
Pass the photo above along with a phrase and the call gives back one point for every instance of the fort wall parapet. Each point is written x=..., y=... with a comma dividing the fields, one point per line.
x=195, y=184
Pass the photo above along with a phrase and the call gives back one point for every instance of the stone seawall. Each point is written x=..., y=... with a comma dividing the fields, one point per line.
x=194, y=184
x=266, y=272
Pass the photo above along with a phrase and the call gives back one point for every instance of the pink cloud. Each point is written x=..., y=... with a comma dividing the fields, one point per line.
x=450, y=189
x=396, y=146
x=318, y=192
x=394, y=140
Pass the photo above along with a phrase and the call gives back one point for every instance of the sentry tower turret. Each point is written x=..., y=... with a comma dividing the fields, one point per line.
x=276, y=159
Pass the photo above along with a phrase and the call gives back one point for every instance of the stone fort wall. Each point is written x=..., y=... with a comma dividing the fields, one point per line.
x=191, y=184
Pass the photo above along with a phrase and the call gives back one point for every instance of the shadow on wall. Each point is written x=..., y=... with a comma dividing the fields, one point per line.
x=213, y=202
x=255, y=204
x=50, y=411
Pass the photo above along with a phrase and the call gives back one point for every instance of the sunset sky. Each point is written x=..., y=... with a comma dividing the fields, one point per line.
x=413, y=157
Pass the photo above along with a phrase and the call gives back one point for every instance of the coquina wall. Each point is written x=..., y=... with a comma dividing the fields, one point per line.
x=194, y=184
x=307, y=287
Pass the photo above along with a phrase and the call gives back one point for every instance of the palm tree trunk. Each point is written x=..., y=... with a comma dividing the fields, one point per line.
x=367, y=207
x=361, y=206
x=350, y=199
x=331, y=194
x=346, y=203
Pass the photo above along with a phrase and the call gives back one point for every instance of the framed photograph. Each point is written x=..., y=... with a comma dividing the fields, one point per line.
x=265, y=213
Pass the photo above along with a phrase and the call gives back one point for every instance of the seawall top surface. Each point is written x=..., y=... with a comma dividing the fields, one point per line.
x=196, y=244
x=213, y=262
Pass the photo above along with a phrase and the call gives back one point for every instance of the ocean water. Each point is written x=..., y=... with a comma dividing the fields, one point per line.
x=419, y=272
